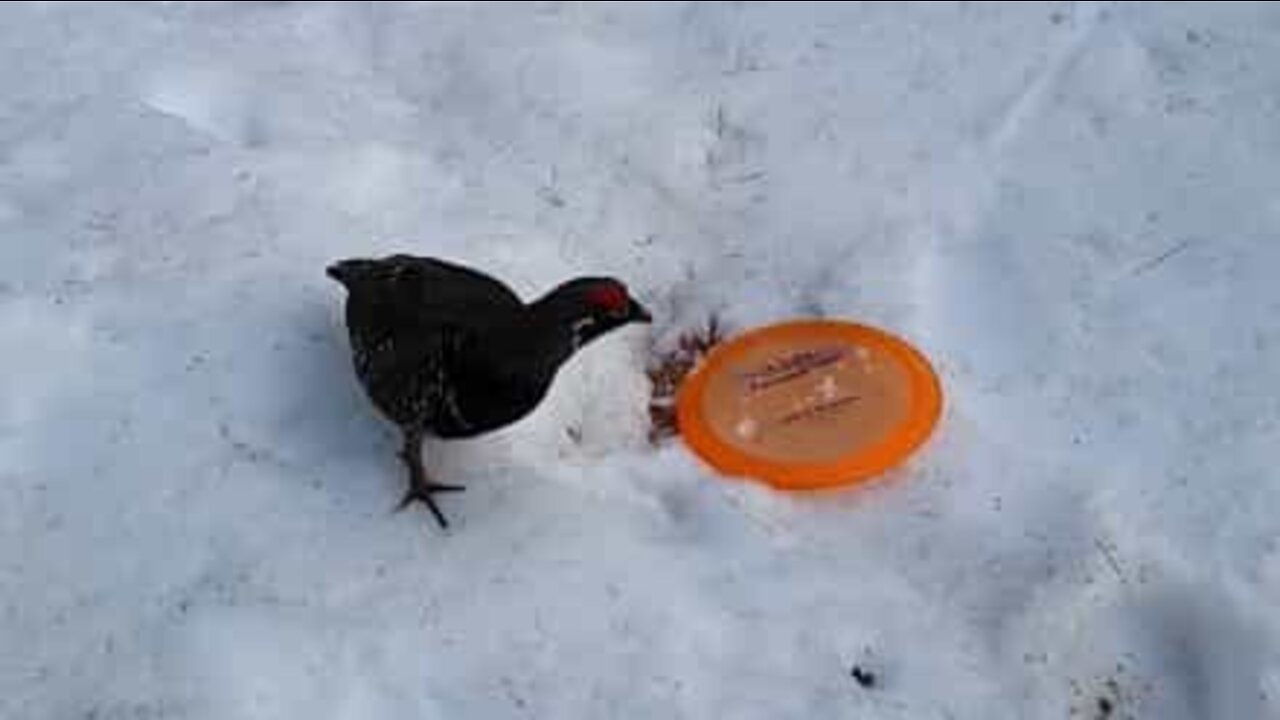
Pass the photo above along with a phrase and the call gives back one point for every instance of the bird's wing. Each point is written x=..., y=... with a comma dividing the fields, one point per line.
x=424, y=307
x=409, y=370
x=414, y=322
x=437, y=288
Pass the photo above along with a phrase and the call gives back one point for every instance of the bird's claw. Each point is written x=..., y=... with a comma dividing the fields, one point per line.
x=424, y=492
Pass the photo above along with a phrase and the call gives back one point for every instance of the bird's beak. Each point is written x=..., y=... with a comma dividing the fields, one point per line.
x=637, y=313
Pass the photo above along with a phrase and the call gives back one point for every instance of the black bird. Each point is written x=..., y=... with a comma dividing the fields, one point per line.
x=448, y=351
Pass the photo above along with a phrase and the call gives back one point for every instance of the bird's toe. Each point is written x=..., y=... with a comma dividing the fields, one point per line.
x=424, y=492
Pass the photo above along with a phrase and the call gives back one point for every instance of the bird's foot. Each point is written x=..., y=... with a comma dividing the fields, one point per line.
x=423, y=491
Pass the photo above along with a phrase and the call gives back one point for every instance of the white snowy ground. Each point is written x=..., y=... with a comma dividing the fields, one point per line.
x=1073, y=209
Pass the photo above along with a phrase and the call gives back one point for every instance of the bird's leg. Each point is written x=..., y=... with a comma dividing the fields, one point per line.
x=421, y=487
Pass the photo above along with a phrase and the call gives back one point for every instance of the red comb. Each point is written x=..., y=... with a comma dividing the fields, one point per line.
x=609, y=297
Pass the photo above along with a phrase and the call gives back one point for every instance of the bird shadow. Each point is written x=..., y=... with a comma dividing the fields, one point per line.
x=328, y=424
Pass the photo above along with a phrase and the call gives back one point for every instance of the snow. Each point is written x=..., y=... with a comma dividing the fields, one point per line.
x=1071, y=208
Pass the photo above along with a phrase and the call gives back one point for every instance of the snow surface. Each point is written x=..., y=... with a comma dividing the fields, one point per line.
x=1073, y=208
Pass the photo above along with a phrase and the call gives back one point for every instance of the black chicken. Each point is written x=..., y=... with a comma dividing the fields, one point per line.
x=445, y=350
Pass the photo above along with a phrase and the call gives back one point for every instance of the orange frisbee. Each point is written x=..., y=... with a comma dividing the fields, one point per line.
x=809, y=404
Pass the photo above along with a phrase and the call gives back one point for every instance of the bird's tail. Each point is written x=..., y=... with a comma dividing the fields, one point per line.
x=349, y=272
